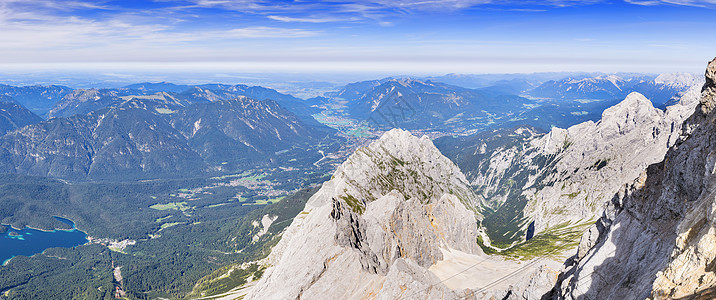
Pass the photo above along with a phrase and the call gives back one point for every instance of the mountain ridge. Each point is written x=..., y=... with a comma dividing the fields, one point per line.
x=566, y=175
x=382, y=239
x=14, y=115
x=656, y=237
x=141, y=136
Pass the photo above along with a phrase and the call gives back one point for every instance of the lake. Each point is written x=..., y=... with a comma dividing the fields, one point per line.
x=30, y=241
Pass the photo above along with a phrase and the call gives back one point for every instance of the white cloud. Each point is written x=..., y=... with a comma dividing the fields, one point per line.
x=311, y=19
x=39, y=35
x=697, y=3
x=376, y=11
x=44, y=5
x=266, y=32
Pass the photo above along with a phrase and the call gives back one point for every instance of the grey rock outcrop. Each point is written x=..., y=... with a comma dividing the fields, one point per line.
x=374, y=228
x=594, y=159
x=569, y=175
x=657, y=237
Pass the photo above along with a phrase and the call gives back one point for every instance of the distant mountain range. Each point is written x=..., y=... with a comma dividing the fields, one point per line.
x=478, y=81
x=416, y=104
x=82, y=101
x=148, y=136
x=180, y=129
x=13, y=115
x=500, y=101
x=38, y=99
x=660, y=89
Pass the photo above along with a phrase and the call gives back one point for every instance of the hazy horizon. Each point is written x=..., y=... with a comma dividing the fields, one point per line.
x=285, y=82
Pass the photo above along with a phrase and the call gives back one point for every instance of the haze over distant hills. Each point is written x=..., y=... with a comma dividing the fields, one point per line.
x=213, y=121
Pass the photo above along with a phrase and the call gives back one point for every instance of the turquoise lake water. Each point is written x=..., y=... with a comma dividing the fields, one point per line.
x=32, y=241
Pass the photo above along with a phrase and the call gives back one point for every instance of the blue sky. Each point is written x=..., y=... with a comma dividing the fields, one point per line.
x=384, y=36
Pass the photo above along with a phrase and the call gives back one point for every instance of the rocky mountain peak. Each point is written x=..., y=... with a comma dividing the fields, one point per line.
x=633, y=102
x=389, y=213
x=403, y=162
x=635, y=109
x=632, y=113
x=708, y=98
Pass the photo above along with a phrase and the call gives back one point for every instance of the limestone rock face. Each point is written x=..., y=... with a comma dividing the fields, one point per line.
x=568, y=175
x=709, y=89
x=374, y=228
x=657, y=237
x=594, y=159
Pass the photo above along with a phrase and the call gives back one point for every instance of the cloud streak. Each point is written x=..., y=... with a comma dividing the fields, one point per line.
x=695, y=3
x=37, y=34
x=311, y=19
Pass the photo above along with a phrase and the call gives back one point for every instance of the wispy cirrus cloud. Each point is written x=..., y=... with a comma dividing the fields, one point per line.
x=56, y=5
x=266, y=32
x=311, y=19
x=39, y=30
x=374, y=11
x=695, y=3
x=374, y=5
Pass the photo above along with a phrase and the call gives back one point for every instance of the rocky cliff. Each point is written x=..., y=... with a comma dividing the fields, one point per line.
x=567, y=175
x=389, y=213
x=594, y=159
x=657, y=237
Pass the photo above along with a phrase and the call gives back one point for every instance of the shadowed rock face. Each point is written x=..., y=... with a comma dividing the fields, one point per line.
x=656, y=238
x=375, y=227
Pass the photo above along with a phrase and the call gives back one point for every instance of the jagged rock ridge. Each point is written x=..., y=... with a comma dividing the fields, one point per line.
x=566, y=175
x=372, y=230
x=656, y=238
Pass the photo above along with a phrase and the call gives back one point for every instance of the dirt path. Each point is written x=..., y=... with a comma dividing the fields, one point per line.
x=118, y=277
